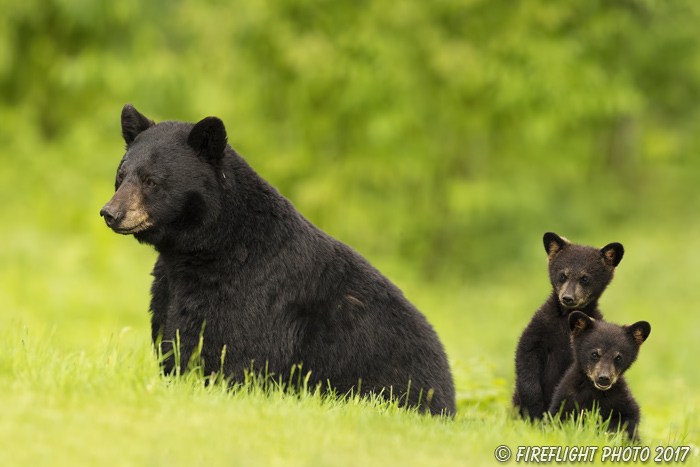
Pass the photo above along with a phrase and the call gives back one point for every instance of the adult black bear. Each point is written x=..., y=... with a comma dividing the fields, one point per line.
x=236, y=257
x=579, y=274
x=602, y=353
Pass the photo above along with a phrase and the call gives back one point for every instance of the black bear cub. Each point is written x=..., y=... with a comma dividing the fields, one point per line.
x=238, y=265
x=579, y=274
x=602, y=353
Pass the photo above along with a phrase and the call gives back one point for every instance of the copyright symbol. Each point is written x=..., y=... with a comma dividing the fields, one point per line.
x=502, y=453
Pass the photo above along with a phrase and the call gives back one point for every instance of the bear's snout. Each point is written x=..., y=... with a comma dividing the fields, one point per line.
x=111, y=215
x=568, y=300
x=125, y=212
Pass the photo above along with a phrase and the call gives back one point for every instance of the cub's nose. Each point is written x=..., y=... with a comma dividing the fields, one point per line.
x=604, y=380
x=567, y=299
x=110, y=214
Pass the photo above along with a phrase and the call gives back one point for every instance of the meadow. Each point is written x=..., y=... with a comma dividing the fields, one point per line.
x=439, y=141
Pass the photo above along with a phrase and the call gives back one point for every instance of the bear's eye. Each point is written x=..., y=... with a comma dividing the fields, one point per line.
x=618, y=359
x=150, y=183
x=585, y=279
x=120, y=178
x=562, y=277
x=595, y=356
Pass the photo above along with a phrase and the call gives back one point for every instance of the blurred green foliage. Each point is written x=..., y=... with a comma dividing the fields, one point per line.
x=444, y=133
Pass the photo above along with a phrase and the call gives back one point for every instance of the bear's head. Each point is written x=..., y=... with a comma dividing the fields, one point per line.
x=604, y=351
x=168, y=181
x=578, y=273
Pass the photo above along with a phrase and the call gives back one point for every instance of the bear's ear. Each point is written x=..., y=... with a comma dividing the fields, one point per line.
x=612, y=253
x=208, y=138
x=133, y=123
x=580, y=322
x=639, y=331
x=553, y=243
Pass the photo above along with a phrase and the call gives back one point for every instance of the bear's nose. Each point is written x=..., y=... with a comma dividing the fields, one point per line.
x=567, y=299
x=110, y=214
x=604, y=380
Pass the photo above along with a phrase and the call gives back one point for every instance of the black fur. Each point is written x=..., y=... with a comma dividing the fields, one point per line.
x=208, y=137
x=579, y=274
x=133, y=123
x=271, y=287
x=602, y=353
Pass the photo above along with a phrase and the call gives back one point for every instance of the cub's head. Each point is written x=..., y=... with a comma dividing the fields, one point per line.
x=578, y=273
x=169, y=177
x=604, y=351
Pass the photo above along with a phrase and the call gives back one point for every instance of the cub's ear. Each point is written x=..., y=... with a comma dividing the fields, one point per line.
x=208, y=138
x=580, y=322
x=133, y=123
x=612, y=253
x=553, y=243
x=639, y=331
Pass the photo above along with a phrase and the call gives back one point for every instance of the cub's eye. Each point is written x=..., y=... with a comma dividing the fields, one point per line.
x=618, y=359
x=595, y=356
x=562, y=277
x=150, y=183
x=120, y=178
x=585, y=279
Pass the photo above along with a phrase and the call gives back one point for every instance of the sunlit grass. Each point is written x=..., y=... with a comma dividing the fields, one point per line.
x=80, y=381
x=111, y=404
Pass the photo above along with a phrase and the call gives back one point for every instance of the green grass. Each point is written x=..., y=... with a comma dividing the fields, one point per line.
x=80, y=384
x=110, y=406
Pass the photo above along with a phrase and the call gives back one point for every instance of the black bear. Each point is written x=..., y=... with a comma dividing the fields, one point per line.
x=579, y=274
x=239, y=265
x=602, y=353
